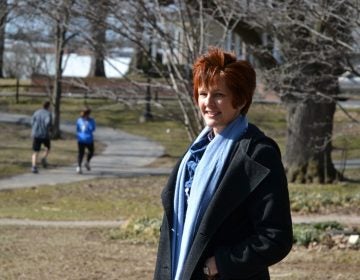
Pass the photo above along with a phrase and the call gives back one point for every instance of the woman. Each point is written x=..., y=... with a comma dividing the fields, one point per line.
x=227, y=212
x=85, y=126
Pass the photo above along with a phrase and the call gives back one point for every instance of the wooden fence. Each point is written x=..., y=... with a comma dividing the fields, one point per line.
x=85, y=88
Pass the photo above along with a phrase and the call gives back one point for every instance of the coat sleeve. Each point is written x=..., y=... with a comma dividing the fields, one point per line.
x=268, y=210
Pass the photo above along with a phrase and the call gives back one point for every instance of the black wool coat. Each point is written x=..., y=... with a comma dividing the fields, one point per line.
x=247, y=225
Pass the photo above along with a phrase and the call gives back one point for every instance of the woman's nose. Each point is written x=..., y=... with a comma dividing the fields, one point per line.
x=209, y=100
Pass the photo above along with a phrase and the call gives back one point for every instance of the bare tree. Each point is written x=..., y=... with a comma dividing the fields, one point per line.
x=305, y=45
x=316, y=40
x=3, y=18
x=167, y=36
x=52, y=17
x=97, y=38
x=21, y=61
x=302, y=47
x=61, y=18
x=146, y=24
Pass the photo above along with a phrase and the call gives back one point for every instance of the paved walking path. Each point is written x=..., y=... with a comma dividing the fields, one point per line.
x=125, y=155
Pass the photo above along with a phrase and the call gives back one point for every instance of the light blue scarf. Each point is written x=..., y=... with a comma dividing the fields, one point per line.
x=205, y=182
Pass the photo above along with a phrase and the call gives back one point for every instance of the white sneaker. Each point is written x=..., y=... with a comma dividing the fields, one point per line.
x=78, y=170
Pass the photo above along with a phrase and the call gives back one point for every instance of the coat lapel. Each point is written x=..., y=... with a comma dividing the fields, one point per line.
x=167, y=195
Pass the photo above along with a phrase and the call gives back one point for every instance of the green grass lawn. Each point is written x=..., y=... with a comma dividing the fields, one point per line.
x=323, y=199
x=9, y=85
x=101, y=199
x=139, y=197
x=136, y=202
x=16, y=154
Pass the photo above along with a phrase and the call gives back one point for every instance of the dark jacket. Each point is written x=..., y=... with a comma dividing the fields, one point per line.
x=247, y=225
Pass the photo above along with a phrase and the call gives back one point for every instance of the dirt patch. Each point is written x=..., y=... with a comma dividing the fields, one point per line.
x=43, y=253
x=318, y=264
x=39, y=253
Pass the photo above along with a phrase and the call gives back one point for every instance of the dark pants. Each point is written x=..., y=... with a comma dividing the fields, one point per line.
x=81, y=152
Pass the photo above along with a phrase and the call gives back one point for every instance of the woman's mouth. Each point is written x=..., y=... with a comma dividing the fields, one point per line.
x=212, y=114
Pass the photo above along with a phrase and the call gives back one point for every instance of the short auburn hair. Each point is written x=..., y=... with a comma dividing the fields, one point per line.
x=239, y=76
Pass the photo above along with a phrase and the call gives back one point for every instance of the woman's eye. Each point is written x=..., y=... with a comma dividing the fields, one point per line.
x=219, y=94
x=203, y=94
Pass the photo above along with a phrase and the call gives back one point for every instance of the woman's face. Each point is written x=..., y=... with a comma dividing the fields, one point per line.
x=216, y=106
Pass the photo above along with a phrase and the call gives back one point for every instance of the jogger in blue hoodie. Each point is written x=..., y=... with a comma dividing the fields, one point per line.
x=85, y=126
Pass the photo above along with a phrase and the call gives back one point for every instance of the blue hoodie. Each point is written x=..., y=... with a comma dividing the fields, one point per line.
x=84, y=130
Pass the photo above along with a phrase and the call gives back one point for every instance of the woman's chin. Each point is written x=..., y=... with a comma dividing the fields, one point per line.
x=210, y=124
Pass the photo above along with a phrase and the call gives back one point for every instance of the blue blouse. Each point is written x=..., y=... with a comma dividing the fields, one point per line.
x=196, y=152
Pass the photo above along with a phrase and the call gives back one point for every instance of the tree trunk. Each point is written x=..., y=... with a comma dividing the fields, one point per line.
x=59, y=41
x=98, y=29
x=3, y=16
x=97, y=68
x=308, y=149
